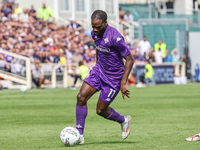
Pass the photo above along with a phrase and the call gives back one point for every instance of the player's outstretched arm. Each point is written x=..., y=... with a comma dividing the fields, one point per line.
x=128, y=67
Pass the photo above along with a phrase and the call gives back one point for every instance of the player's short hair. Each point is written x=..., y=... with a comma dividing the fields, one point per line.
x=99, y=15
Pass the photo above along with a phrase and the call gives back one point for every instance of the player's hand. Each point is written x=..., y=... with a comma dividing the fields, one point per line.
x=125, y=91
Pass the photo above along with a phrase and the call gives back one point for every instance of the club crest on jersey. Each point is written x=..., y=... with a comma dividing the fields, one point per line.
x=106, y=40
x=118, y=39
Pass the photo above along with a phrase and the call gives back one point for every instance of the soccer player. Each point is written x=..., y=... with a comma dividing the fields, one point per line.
x=195, y=137
x=109, y=75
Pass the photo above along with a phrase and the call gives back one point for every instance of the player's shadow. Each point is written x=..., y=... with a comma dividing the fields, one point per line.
x=112, y=142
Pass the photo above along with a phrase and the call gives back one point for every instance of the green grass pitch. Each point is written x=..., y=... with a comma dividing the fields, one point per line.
x=162, y=117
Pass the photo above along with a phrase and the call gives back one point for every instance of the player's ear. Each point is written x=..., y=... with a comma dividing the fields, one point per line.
x=105, y=22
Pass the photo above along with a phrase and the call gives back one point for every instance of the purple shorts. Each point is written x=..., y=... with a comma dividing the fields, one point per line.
x=109, y=89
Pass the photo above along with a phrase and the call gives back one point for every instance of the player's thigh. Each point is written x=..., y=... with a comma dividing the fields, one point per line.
x=85, y=93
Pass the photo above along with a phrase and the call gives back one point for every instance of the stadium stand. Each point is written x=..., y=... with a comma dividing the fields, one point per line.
x=54, y=45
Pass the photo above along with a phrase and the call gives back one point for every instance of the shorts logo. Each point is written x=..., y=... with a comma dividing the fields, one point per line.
x=107, y=99
x=106, y=40
x=118, y=39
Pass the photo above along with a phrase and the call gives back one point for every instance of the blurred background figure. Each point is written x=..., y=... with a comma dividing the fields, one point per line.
x=144, y=46
x=175, y=55
x=45, y=13
x=38, y=77
x=81, y=73
x=128, y=17
x=158, y=56
x=147, y=78
x=18, y=10
x=121, y=15
x=162, y=47
x=168, y=57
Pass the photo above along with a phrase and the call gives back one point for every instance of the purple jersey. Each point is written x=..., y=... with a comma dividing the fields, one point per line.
x=111, y=50
x=8, y=58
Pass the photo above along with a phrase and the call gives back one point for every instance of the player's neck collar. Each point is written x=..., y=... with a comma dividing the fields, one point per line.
x=106, y=31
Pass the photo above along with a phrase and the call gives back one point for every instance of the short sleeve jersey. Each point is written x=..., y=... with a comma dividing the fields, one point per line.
x=111, y=49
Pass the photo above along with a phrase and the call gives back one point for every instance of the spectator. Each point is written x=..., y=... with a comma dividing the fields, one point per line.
x=161, y=46
x=32, y=12
x=38, y=77
x=14, y=16
x=151, y=56
x=126, y=38
x=128, y=17
x=84, y=71
x=45, y=13
x=121, y=15
x=5, y=10
x=57, y=57
x=18, y=10
x=147, y=77
x=24, y=16
x=158, y=56
x=168, y=58
x=137, y=55
x=63, y=59
x=77, y=57
x=144, y=46
x=3, y=17
x=144, y=57
x=73, y=24
x=175, y=55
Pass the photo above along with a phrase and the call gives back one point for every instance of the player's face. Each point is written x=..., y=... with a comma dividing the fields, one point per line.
x=99, y=27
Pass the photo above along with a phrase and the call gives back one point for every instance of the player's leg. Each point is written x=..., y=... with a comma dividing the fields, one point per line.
x=106, y=97
x=85, y=93
x=107, y=112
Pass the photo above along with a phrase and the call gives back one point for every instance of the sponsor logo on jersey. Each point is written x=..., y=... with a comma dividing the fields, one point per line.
x=107, y=99
x=106, y=40
x=118, y=39
x=95, y=37
x=104, y=49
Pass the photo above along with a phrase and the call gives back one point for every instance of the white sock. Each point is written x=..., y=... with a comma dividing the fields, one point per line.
x=81, y=136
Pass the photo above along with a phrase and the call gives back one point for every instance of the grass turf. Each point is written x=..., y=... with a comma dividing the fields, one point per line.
x=163, y=116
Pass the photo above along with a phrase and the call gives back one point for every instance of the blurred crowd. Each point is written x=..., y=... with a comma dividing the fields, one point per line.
x=31, y=34
x=158, y=53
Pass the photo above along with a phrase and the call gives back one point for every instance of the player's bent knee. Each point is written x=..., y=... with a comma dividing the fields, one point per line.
x=100, y=112
x=80, y=100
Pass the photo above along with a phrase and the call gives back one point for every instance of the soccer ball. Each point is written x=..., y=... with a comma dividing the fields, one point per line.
x=23, y=89
x=69, y=136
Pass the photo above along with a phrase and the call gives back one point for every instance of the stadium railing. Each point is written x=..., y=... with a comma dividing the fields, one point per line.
x=130, y=28
x=178, y=70
x=25, y=79
x=53, y=72
x=63, y=76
